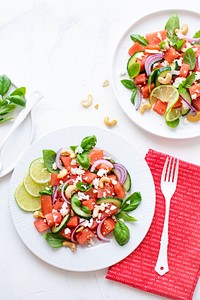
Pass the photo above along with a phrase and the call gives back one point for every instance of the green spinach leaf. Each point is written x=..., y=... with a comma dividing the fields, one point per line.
x=133, y=70
x=186, y=84
x=133, y=95
x=197, y=34
x=7, y=109
x=19, y=100
x=54, y=240
x=19, y=91
x=83, y=160
x=121, y=233
x=131, y=202
x=48, y=191
x=5, y=83
x=124, y=216
x=88, y=143
x=83, y=187
x=172, y=24
x=49, y=157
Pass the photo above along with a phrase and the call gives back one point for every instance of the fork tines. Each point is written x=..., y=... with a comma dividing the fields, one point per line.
x=170, y=170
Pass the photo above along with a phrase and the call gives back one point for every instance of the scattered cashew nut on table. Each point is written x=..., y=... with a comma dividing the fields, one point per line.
x=165, y=80
x=183, y=30
x=109, y=122
x=87, y=102
x=103, y=180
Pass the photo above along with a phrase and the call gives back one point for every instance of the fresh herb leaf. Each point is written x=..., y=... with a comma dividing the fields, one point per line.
x=124, y=216
x=83, y=187
x=54, y=240
x=178, y=45
x=7, y=109
x=19, y=91
x=47, y=192
x=85, y=209
x=186, y=84
x=129, y=84
x=3, y=120
x=189, y=58
x=133, y=70
x=121, y=233
x=197, y=34
x=140, y=39
x=88, y=143
x=173, y=124
x=133, y=95
x=49, y=157
x=131, y=202
x=83, y=160
x=172, y=24
x=5, y=83
x=19, y=100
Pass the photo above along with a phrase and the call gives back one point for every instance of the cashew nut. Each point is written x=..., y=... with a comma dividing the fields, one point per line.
x=87, y=102
x=68, y=152
x=38, y=214
x=194, y=118
x=105, y=83
x=62, y=173
x=103, y=180
x=70, y=245
x=145, y=106
x=183, y=30
x=70, y=190
x=165, y=80
x=109, y=122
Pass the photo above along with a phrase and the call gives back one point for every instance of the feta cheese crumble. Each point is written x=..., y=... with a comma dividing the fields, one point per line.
x=79, y=150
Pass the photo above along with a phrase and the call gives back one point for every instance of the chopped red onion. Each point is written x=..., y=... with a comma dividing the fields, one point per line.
x=72, y=236
x=151, y=60
x=58, y=162
x=198, y=62
x=99, y=233
x=63, y=191
x=189, y=105
x=193, y=40
x=55, y=191
x=121, y=172
x=99, y=162
x=138, y=99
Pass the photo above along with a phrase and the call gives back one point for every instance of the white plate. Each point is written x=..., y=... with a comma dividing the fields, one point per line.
x=102, y=254
x=17, y=143
x=150, y=121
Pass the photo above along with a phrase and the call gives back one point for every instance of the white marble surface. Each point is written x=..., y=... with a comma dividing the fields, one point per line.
x=64, y=49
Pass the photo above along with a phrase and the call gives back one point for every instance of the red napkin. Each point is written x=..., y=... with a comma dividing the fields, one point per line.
x=137, y=270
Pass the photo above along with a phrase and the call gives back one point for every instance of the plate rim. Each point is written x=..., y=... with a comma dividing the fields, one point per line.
x=88, y=128
x=123, y=35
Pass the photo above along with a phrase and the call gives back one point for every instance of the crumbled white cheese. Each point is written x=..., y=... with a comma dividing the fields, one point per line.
x=139, y=55
x=67, y=230
x=113, y=181
x=77, y=171
x=165, y=63
x=54, y=210
x=179, y=61
x=159, y=36
x=88, y=223
x=178, y=81
x=102, y=172
x=73, y=162
x=187, y=46
x=194, y=96
x=78, y=179
x=95, y=183
x=82, y=196
x=113, y=207
x=54, y=166
x=104, y=194
x=78, y=150
x=64, y=210
x=197, y=75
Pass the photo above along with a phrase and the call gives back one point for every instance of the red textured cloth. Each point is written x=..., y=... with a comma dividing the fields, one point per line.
x=137, y=269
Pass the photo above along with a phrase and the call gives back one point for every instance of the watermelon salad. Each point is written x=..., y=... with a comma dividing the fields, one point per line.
x=164, y=73
x=84, y=196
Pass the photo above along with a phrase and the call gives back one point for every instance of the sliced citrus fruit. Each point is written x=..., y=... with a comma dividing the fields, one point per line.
x=172, y=114
x=39, y=172
x=165, y=93
x=32, y=187
x=25, y=200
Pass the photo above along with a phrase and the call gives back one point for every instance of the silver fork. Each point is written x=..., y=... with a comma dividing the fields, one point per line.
x=168, y=186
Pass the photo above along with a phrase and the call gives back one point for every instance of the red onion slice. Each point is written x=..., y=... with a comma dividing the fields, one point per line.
x=55, y=191
x=175, y=72
x=99, y=162
x=72, y=236
x=193, y=40
x=99, y=234
x=151, y=60
x=198, y=62
x=189, y=105
x=121, y=172
x=58, y=162
x=63, y=191
x=138, y=100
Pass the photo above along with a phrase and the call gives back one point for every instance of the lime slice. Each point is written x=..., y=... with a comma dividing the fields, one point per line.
x=39, y=172
x=172, y=115
x=166, y=93
x=25, y=200
x=32, y=187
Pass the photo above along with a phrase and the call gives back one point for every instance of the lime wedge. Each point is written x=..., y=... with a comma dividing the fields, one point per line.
x=172, y=115
x=166, y=93
x=25, y=200
x=38, y=171
x=32, y=187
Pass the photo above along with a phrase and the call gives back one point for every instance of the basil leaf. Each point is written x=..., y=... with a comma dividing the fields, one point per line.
x=73, y=148
x=54, y=240
x=3, y=120
x=133, y=70
x=83, y=187
x=85, y=209
x=5, y=83
x=186, y=84
x=121, y=233
x=179, y=44
x=172, y=24
x=173, y=124
x=47, y=192
x=181, y=89
x=49, y=157
x=7, y=108
x=88, y=143
x=131, y=202
x=140, y=39
x=133, y=95
x=197, y=34
x=83, y=160
x=19, y=100
x=19, y=91
x=124, y=216
x=190, y=58
x=129, y=84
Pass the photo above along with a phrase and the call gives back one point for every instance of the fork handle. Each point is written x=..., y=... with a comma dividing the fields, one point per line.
x=162, y=262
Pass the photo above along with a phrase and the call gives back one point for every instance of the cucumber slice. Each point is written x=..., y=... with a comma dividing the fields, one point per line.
x=56, y=229
x=162, y=72
x=77, y=209
x=113, y=200
x=185, y=109
x=133, y=67
x=127, y=183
